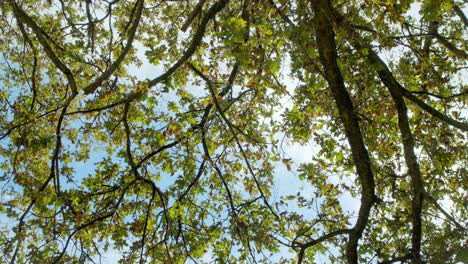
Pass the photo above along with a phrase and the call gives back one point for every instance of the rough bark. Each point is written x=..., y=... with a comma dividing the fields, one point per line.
x=383, y=71
x=325, y=38
x=417, y=184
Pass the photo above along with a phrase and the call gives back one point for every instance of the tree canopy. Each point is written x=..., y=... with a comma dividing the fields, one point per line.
x=161, y=131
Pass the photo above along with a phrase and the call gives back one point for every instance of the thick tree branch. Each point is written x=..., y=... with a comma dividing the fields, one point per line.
x=304, y=247
x=325, y=38
x=34, y=67
x=136, y=20
x=432, y=30
x=196, y=10
x=155, y=152
x=201, y=169
x=22, y=17
x=460, y=53
x=383, y=71
x=196, y=40
x=461, y=15
x=417, y=184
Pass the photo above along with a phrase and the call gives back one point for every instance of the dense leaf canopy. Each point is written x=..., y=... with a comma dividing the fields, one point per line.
x=262, y=131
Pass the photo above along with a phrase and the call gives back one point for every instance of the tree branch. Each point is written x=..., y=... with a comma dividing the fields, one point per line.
x=53, y=175
x=314, y=242
x=22, y=17
x=220, y=110
x=325, y=38
x=451, y=47
x=447, y=215
x=440, y=96
x=196, y=40
x=384, y=73
x=397, y=259
x=104, y=76
x=417, y=183
x=461, y=15
x=432, y=30
x=137, y=175
x=196, y=10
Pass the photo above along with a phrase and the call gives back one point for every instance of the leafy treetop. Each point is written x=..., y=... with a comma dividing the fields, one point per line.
x=182, y=165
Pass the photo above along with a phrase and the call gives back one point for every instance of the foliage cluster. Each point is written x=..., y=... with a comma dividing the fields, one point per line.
x=182, y=165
